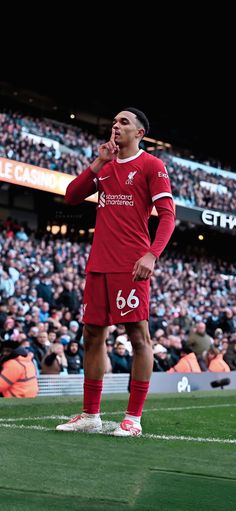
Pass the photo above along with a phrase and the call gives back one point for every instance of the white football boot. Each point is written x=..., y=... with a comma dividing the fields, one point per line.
x=84, y=423
x=128, y=428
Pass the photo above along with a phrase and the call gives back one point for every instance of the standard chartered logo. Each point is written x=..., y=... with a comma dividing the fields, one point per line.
x=115, y=200
x=102, y=200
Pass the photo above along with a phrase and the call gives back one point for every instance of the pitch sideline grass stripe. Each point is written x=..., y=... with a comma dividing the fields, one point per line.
x=147, y=436
x=191, y=474
x=60, y=495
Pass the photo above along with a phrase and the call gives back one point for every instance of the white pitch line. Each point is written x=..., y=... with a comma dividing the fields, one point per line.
x=190, y=439
x=147, y=410
x=109, y=426
x=22, y=426
x=44, y=417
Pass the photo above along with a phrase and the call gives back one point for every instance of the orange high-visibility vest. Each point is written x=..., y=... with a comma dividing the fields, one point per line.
x=186, y=364
x=18, y=378
x=218, y=365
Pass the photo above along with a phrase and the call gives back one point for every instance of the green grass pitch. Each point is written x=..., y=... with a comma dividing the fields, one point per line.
x=186, y=459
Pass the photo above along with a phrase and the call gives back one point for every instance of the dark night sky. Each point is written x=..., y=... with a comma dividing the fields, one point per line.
x=177, y=67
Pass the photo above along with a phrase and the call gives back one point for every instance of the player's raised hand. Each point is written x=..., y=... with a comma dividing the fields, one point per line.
x=113, y=133
x=110, y=149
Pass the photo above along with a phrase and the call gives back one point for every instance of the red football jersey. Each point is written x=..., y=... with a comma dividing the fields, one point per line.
x=128, y=189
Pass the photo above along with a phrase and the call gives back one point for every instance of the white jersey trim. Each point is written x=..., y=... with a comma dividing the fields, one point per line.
x=125, y=160
x=160, y=195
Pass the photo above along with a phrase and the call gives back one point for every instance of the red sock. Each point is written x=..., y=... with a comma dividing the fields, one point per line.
x=138, y=394
x=92, y=395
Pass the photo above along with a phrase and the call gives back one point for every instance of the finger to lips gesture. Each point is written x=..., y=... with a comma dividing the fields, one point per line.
x=109, y=149
x=113, y=148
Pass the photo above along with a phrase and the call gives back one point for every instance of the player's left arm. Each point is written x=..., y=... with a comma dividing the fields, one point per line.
x=162, y=199
x=161, y=194
x=166, y=213
x=144, y=267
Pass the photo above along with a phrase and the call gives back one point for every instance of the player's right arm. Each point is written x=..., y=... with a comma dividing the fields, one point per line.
x=84, y=184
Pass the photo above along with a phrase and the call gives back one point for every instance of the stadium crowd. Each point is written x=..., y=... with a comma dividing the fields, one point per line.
x=55, y=146
x=192, y=309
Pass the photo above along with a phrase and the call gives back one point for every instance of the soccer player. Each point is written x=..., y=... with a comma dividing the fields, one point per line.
x=129, y=181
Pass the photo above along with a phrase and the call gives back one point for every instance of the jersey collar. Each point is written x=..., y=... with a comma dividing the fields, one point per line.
x=125, y=160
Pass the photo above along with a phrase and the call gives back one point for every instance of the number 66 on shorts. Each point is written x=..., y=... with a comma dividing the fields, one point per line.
x=132, y=300
x=110, y=298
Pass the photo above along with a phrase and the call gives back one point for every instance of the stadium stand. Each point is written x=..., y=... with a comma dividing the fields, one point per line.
x=42, y=274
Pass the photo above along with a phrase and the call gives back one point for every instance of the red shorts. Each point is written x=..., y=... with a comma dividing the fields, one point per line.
x=111, y=298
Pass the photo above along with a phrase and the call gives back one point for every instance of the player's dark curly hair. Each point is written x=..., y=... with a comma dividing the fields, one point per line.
x=140, y=116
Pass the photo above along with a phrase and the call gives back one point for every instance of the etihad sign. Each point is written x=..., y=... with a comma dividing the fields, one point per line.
x=217, y=219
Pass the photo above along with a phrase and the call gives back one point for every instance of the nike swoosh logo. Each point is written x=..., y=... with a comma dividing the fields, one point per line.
x=127, y=312
x=102, y=178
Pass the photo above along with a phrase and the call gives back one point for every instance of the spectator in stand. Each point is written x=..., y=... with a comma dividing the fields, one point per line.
x=54, y=361
x=120, y=359
x=44, y=312
x=227, y=322
x=74, y=330
x=217, y=338
x=183, y=320
x=52, y=336
x=39, y=348
x=154, y=320
x=32, y=333
x=8, y=329
x=68, y=297
x=224, y=345
x=11, y=264
x=73, y=358
x=175, y=348
x=67, y=318
x=161, y=358
x=109, y=351
x=213, y=322
x=230, y=355
x=21, y=235
x=199, y=341
x=3, y=315
x=7, y=286
x=44, y=289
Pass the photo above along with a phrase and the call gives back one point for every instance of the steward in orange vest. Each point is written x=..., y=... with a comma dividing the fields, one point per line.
x=216, y=364
x=187, y=363
x=17, y=371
